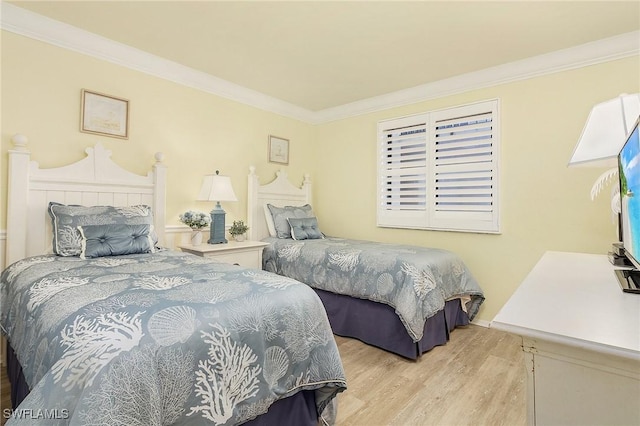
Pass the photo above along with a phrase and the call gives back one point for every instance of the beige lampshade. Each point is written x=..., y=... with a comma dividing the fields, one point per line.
x=605, y=131
x=216, y=188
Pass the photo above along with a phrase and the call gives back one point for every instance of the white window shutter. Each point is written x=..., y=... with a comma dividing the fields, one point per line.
x=464, y=168
x=439, y=170
x=402, y=167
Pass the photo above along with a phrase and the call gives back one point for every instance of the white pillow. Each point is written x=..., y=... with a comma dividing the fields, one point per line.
x=270, y=224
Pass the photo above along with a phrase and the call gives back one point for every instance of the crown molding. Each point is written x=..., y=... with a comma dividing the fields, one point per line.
x=32, y=25
x=600, y=51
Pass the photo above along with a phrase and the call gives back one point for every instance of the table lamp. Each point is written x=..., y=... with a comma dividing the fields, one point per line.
x=605, y=131
x=217, y=188
x=603, y=135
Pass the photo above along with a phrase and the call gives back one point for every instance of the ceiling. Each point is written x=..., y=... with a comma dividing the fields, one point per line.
x=323, y=54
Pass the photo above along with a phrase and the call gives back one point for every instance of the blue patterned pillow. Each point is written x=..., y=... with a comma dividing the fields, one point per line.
x=305, y=228
x=281, y=214
x=65, y=219
x=115, y=240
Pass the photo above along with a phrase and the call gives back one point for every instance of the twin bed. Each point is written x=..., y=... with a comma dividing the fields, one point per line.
x=404, y=299
x=111, y=329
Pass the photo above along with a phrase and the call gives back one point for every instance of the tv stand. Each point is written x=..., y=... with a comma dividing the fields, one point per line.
x=581, y=342
x=629, y=280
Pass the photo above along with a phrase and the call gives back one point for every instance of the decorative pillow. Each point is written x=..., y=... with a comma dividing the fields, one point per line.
x=305, y=228
x=281, y=214
x=267, y=215
x=66, y=219
x=115, y=240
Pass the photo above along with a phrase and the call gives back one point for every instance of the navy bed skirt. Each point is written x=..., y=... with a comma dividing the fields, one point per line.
x=378, y=325
x=298, y=409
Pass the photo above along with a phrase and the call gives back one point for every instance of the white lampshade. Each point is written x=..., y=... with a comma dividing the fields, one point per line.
x=605, y=131
x=216, y=188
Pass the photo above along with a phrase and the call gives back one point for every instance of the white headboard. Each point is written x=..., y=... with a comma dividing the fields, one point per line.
x=279, y=192
x=94, y=180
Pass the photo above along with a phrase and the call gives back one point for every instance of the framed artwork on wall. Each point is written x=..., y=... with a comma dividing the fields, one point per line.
x=104, y=115
x=278, y=150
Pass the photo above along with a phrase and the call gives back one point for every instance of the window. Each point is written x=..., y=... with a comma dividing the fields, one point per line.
x=439, y=170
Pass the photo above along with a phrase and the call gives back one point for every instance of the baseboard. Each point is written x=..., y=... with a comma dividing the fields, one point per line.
x=481, y=323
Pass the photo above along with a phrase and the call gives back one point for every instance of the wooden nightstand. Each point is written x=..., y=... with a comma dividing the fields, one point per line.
x=245, y=253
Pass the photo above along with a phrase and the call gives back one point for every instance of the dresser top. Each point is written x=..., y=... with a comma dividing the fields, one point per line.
x=575, y=299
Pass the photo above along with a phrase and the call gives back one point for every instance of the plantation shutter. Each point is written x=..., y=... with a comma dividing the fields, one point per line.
x=402, y=168
x=463, y=163
x=439, y=170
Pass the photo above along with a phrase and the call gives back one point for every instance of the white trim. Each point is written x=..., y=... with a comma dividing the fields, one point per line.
x=29, y=24
x=600, y=51
x=481, y=323
x=94, y=180
x=33, y=25
x=175, y=235
x=180, y=235
x=404, y=202
x=3, y=246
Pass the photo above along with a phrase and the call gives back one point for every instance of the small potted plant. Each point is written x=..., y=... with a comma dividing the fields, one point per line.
x=238, y=229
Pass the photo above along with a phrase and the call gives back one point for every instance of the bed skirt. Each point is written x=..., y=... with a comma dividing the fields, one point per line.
x=298, y=409
x=378, y=325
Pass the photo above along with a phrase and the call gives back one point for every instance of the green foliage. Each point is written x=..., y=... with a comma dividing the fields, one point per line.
x=238, y=228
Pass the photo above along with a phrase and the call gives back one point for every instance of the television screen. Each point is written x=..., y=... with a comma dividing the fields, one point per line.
x=629, y=173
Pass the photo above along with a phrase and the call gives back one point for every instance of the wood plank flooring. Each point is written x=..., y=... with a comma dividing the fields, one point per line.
x=477, y=378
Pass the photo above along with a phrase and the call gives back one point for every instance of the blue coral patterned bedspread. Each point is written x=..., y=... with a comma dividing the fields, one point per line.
x=415, y=281
x=164, y=338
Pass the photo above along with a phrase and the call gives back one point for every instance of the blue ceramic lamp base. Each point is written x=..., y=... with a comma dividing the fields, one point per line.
x=216, y=230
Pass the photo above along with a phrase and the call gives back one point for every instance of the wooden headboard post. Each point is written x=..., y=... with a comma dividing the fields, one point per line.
x=94, y=180
x=159, y=197
x=279, y=192
x=18, y=188
x=252, y=198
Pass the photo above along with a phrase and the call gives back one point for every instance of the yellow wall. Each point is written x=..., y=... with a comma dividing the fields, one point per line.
x=197, y=132
x=545, y=205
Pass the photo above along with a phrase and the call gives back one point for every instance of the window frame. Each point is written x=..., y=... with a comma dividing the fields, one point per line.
x=475, y=138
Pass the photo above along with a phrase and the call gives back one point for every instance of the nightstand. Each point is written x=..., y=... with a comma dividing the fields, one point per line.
x=244, y=253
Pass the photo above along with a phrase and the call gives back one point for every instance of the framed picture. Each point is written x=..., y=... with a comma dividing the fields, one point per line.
x=105, y=115
x=278, y=150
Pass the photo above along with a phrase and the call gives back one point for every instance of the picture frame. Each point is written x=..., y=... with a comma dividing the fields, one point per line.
x=104, y=115
x=278, y=150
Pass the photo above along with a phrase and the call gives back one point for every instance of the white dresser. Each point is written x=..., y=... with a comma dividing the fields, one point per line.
x=581, y=341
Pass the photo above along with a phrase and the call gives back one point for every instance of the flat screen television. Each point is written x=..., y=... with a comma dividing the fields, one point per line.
x=629, y=175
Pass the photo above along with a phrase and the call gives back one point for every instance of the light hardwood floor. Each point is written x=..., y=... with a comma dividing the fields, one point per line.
x=477, y=378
